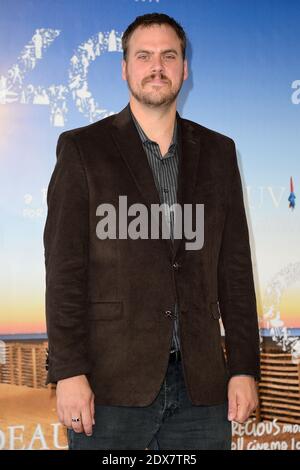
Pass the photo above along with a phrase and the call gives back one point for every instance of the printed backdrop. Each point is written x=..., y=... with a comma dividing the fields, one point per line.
x=60, y=68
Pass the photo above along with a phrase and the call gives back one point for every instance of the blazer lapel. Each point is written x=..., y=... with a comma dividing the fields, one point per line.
x=189, y=147
x=131, y=149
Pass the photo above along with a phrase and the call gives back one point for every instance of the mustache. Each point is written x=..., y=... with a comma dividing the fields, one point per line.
x=161, y=76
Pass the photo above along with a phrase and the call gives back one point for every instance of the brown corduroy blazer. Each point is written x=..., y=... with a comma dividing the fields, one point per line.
x=108, y=302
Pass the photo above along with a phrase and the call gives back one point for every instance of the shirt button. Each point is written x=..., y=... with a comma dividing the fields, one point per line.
x=165, y=190
x=176, y=266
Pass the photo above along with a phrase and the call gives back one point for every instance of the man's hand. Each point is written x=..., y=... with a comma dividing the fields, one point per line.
x=75, y=399
x=242, y=398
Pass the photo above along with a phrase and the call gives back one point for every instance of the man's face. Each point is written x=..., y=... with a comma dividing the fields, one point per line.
x=154, y=68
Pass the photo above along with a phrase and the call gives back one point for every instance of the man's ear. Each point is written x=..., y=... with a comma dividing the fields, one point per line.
x=124, y=71
x=185, y=70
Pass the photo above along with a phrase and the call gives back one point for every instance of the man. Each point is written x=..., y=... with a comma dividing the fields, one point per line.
x=133, y=322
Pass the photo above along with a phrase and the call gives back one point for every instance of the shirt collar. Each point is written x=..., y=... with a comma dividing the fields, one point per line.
x=146, y=140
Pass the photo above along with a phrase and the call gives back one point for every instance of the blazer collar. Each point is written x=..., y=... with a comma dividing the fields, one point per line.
x=131, y=149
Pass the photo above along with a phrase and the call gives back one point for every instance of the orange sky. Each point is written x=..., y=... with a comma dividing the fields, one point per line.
x=25, y=315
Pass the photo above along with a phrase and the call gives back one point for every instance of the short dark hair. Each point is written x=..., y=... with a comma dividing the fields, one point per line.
x=152, y=19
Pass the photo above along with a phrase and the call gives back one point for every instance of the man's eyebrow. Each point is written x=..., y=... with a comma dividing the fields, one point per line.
x=144, y=51
x=170, y=50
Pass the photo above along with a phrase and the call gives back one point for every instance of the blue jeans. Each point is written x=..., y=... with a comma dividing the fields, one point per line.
x=170, y=422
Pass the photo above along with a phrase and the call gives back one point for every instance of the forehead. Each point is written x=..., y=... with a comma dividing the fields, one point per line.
x=154, y=37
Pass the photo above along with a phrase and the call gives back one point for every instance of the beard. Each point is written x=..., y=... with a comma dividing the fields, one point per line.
x=161, y=95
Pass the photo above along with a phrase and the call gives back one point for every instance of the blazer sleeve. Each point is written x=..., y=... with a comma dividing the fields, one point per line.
x=236, y=290
x=66, y=259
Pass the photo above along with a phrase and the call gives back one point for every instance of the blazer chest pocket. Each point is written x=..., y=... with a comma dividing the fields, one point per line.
x=105, y=310
x=215, y=310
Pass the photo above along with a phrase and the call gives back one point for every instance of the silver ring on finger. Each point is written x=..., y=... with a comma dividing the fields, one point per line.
x=75, y=420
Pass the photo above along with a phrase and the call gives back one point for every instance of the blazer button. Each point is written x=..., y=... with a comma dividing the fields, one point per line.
x=168, y=313
x=176, y=266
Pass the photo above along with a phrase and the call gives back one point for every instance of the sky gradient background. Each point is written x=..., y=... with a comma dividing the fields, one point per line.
x=243, y=59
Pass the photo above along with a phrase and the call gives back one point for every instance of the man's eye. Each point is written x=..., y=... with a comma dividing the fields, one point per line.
x=170, y=57
x=142, y=57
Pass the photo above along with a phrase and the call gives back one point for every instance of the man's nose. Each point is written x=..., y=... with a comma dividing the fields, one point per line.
x=157, y=64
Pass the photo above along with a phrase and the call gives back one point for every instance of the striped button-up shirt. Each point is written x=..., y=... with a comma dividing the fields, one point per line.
x=165, y=173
